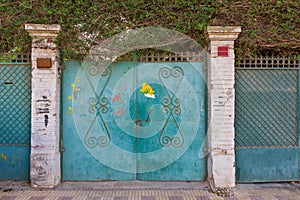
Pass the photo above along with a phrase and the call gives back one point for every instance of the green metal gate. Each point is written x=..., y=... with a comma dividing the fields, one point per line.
x=15, y=117
x=266, y=120
x=114, y=130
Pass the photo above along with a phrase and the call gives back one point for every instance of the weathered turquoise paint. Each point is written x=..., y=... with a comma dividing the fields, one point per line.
x=77, y=162
x=14, y=163
x=15, y=121
x=190, y=164
x=267, y=164
x=266, y=125
x=133, y=145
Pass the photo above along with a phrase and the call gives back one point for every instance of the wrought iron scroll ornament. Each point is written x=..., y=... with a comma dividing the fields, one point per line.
x=171, y=106
x=98, y=105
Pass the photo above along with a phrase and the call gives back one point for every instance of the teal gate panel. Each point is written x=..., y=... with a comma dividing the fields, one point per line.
x=15, y=121
x=114, y=130
x=266, y=125
x=172, y=149
x=77, y=161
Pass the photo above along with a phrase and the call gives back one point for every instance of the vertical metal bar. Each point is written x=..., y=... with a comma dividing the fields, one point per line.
x=135, y=65
x=61, y=142
x=205, y=75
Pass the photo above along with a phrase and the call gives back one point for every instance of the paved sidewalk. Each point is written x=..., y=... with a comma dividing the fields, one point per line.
x=141, y=190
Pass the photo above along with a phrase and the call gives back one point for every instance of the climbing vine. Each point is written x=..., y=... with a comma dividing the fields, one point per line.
x=268, y=26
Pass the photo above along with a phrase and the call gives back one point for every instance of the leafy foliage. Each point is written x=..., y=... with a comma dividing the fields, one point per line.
x=268, y=26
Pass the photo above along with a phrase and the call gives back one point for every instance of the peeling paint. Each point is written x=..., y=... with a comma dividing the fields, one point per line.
x=118, y=111
x=46, y=120
x=75, y=89
x=70, y=110
x=71, y=97
x=15, y=159
x=3, y=157
x=116, y=98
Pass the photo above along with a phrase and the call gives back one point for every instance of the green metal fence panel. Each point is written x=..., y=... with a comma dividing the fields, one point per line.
x=15, y=120
x=15, y=107
x=266, y=108
x=266, y=120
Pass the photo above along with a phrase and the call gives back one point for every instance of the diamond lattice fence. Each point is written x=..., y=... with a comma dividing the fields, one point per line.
x=266, y=108
x=15, y=104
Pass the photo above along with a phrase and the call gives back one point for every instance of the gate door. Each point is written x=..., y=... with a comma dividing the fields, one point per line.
x=266, y=121
x=15, y=118
x=131, y=121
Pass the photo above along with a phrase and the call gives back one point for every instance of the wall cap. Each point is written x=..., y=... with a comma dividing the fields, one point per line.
x=223, y=33
x=43, y=30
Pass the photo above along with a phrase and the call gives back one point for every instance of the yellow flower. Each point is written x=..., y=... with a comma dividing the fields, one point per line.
x=147, y=89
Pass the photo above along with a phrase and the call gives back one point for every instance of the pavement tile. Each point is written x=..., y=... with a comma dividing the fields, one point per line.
x=121, y=198
x=90, y=191
x=37, y=198
x=202, y=198
x=8, y=198
x=230, y=198
x=93, y=198
x=282, y=197
x=256, y=197
x=148, y=198
x=65, y=198
x=175, y=198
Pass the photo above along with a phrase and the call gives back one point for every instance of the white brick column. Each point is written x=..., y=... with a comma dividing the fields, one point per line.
x=45, y=104
x=221, y=160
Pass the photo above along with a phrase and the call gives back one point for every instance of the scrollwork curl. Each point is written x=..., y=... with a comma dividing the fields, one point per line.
x=93, y=70
x=177, y=110
x=177, y=142
x=165, y=141
x=92, y=102
x=166, y=102
x=103, y=141
x=177, y=72
x=165, y=72
x=91, y=141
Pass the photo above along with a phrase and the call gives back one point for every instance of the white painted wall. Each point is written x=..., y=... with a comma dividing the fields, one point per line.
x=45, y=155
x=221, y=162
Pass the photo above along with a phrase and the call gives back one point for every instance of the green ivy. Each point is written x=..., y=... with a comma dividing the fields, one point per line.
x=267, y=26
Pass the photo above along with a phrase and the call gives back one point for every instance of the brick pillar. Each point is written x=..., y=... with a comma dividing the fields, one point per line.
x=221, y=160
x=45, y=104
